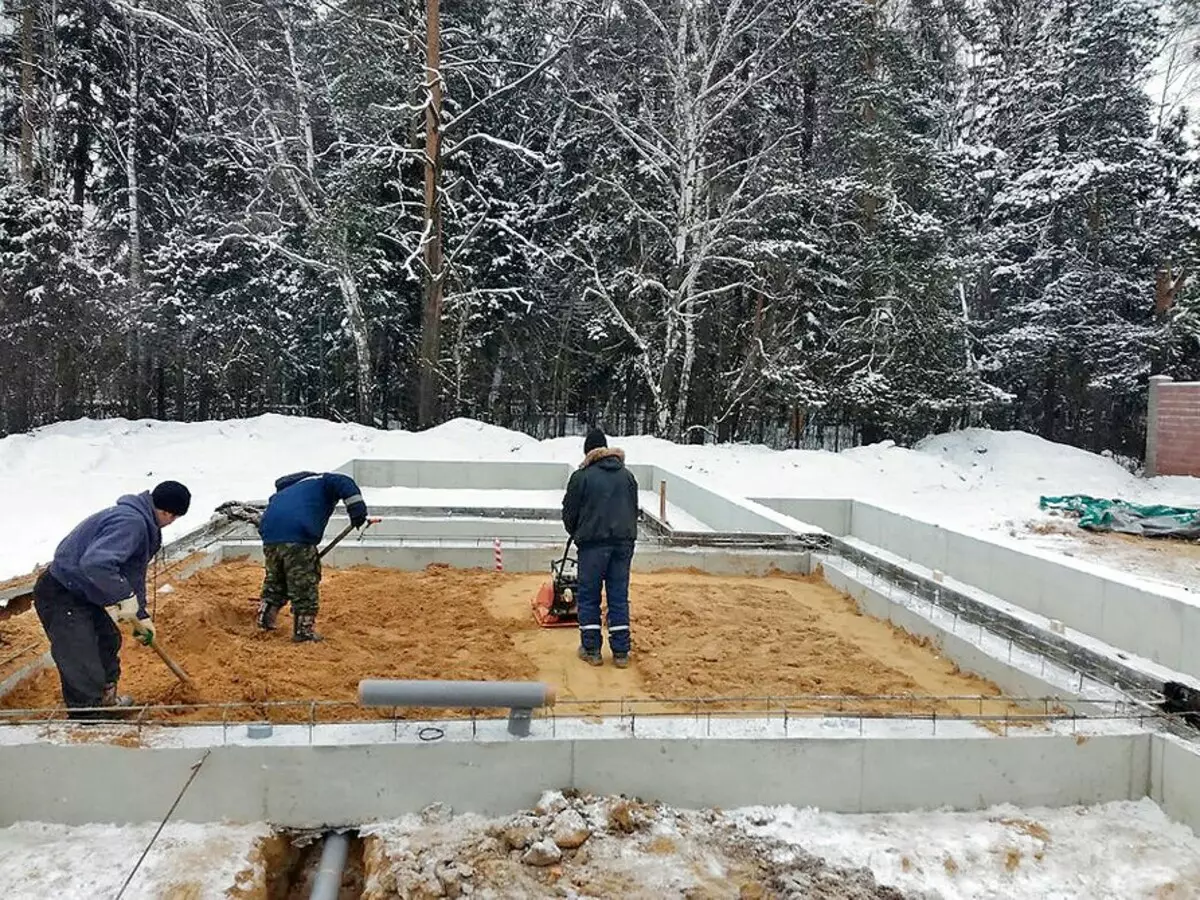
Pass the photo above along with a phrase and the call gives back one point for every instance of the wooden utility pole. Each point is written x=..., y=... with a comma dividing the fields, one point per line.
x=431, y=323
x=28, y=70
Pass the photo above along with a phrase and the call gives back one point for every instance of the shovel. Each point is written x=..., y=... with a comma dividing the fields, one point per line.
x=172, y=665
x=345, y=531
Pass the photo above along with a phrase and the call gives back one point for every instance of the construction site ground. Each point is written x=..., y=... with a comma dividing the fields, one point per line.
x=695, y=635
x=1168, y=561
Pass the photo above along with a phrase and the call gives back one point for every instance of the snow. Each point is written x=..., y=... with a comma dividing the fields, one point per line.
x=979, y=480
x=1115, y=850
x=88, y=861
x=1120, y=850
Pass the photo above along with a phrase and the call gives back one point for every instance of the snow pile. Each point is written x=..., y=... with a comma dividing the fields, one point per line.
x=585, y=846
x=55, y=476
x=972, y=479
x=582, y=846
x=1117, y=850
x=88, y=861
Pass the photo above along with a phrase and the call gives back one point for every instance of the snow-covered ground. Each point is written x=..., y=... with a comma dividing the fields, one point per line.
x=974, y=480
x=91, y=861
x=607, y=846
x=1122, y=850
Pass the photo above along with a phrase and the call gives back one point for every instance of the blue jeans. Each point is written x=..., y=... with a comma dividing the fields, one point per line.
x=607, y=564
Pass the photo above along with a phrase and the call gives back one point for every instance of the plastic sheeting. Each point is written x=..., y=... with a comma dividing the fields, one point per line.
x=1128, y=518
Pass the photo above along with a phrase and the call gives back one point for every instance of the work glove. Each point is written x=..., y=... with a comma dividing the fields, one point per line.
x=143, y=630
x=358, y=514
x=125, y=611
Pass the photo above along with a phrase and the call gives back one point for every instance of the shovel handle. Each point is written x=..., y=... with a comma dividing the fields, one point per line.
x=171, y=664
x=337, y=540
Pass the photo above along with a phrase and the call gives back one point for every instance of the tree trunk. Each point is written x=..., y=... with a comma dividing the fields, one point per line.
x=49, y=125
x=362, y=345
x=139, y=354
x=28, y=91
x=497, y=380
x=431, y=322
x=81, y=163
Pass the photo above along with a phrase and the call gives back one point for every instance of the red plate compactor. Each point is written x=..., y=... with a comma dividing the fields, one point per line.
x=555, y=604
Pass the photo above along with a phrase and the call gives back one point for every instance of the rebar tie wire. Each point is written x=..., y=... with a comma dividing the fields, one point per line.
x=163, y=823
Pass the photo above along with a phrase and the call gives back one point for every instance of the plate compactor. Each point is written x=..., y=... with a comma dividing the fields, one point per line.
x=555, y=605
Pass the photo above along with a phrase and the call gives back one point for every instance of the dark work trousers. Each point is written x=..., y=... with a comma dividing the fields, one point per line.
x=84, y=641
x=607, y=564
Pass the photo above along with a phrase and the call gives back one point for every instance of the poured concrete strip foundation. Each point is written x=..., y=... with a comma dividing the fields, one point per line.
x=535, y=558
x=348, y=774
x=351, y=784
x=1161, y=624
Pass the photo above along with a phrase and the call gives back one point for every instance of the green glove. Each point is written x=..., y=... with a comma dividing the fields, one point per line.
x=143, y=631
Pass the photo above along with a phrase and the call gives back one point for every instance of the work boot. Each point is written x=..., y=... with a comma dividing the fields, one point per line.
x=112, y=706
x=110, y=697
x=302, y=629
x=621, y=660
x=592, y=658
x=267, y=614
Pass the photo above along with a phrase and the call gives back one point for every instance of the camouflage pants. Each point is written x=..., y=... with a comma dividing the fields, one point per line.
x=293, y=573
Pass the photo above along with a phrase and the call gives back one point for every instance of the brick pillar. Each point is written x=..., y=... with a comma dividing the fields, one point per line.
x=1156, y=382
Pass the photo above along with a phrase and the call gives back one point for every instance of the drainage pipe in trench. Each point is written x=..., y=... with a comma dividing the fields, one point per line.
x=327, y=883
x=513, y=694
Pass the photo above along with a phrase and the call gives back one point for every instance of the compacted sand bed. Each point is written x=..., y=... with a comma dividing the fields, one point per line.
x=695, y=635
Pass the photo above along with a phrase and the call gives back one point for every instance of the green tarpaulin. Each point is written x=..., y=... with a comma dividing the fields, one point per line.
x=1128, y=518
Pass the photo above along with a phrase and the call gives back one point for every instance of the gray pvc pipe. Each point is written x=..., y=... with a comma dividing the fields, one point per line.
x=327, y=883
x=513, y=694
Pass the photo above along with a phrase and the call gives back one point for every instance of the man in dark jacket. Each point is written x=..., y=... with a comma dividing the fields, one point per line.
x=292, y=526
x=600, y=513
x=96, y=581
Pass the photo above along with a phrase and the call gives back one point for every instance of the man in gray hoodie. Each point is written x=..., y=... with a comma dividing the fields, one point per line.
x=96, y=581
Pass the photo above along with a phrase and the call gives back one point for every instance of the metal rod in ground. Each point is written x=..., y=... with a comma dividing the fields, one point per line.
x=327, y=883
x=18, y=654
x=161, y=825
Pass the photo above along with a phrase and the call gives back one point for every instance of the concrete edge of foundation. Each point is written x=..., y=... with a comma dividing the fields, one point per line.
x=305, y=787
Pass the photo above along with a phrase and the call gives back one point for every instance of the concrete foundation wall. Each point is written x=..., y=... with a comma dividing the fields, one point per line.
x=1013, y=679
x=450, y=527
x=719, y=511
x=1175, y=779
x=454, y=474
x=832, y=515
x=647, y=558
x=312, y=786
x=1162, y=625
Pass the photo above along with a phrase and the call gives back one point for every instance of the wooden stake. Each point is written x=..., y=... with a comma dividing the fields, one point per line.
x=662, y=501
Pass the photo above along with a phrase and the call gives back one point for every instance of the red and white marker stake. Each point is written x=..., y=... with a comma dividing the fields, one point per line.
x=499, y=554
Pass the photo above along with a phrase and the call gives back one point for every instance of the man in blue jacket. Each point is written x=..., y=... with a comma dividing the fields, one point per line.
x=96, y=581
x=292, y=526
x=600, y=512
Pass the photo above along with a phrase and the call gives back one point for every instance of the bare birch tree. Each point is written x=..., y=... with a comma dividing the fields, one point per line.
x=706, y=62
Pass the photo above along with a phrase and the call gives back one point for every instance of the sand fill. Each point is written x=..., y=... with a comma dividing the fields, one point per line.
x=694, y=635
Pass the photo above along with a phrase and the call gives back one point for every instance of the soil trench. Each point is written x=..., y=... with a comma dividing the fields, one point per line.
x=694, y=635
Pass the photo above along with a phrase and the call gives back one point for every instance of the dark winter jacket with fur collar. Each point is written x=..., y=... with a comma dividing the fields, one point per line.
x=601, y=503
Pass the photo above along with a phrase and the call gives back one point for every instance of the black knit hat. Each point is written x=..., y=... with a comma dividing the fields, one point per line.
x=172, y=497
x=595, y=438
